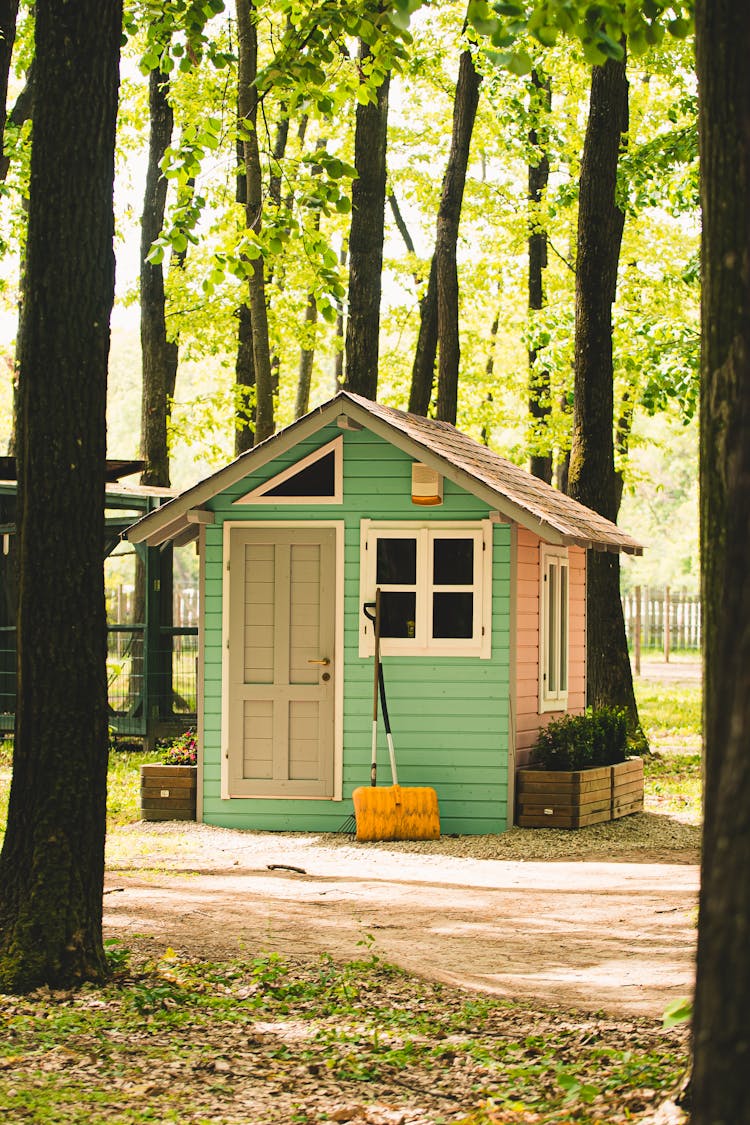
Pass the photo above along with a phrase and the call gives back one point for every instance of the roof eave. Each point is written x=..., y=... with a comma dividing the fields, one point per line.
x=171, y=519
x=149, y=528
x=508, y=509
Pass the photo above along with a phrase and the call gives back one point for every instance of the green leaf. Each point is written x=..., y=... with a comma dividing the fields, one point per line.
x=481, y=17
x=399, y=19
x=546, y=35
x=502, y=38
x=654, y=34
x=680, y=28
x=609, y=47
x=679, y=1011
x=637, y=44
x=592, y=52
x=517, y=62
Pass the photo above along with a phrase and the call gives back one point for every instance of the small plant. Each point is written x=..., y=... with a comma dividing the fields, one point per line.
x=677, y=1012
x=118, y=956
x=180, y=751
x=579, y=742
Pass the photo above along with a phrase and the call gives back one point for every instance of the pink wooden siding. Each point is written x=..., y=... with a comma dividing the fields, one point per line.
x=527, y=716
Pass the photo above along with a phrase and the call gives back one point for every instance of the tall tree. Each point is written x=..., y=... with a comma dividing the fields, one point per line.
x=592, y=478
x=306, y=359
x=439, y=307
x=20, y=113
x=52, y=862
x=540, y=406
x=8, y=16
x=721, y=1028
x=366, y=239
x=158, y=353
x=247, y=39
x=244, y=367
x=425, y=353
x=446, y=239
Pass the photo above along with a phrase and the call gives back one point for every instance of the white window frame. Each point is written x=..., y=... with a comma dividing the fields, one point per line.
x=426, y=532
x=259, y=494
x=554, y=628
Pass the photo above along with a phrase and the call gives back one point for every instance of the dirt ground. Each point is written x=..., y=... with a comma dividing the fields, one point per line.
x=614, y=935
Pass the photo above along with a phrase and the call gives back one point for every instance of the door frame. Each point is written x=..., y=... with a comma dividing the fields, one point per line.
x=338, y=527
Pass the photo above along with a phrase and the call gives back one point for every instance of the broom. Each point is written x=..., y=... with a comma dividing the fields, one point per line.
x=393, y=813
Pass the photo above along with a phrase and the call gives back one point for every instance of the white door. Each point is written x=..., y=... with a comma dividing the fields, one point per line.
x=281, y=662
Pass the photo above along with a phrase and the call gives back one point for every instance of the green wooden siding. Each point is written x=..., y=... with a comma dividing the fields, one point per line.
x=449, y=715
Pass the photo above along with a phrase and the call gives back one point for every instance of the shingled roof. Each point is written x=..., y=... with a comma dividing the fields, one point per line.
x=516, y=494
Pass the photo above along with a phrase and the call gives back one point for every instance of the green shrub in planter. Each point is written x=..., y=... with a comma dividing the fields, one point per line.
x=580, y=742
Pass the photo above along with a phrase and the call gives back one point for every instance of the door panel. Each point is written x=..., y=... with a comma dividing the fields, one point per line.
x=281, y=662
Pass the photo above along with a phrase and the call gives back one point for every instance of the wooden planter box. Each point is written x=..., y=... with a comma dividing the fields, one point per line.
x=168, y=792
x=576, y=798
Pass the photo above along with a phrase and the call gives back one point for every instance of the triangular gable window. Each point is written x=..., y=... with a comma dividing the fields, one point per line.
x=316, y=479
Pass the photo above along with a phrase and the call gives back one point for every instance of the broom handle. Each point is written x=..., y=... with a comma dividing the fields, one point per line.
x=374, y=764
x=387, y=721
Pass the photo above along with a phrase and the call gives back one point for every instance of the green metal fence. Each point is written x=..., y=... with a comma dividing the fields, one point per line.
x=151, y=690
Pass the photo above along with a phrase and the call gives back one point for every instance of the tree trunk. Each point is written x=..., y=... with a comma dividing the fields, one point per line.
x=592, y=467
x=247, y=39
x=52, y=862
x=244, y=372
x=423, y=370
x=338, y=359
x=540, y=406
x=159, y=357
x=721, y=1025
x=306, y=358
x=158, y=354
x=244, y=376
x=489, y=370
x=449, y=216
x=439, y=306
x=20, y=113
x=366, y=243
x=274, y=194
x=8, y=16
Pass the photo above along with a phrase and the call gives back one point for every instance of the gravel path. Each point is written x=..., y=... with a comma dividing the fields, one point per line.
x=608, y=924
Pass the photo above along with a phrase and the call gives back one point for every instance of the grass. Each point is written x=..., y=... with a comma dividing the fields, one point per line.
x=671, y=716
x=670, y=713
x=673, y=785
x=269, y=1040
x=122, y=784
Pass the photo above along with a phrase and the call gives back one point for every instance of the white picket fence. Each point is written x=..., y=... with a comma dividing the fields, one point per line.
x=662, y=618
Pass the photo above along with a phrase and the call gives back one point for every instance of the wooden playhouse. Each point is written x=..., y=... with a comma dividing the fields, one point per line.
x=482, y=571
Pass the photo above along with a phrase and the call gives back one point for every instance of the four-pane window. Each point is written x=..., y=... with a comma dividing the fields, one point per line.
x=434, y=587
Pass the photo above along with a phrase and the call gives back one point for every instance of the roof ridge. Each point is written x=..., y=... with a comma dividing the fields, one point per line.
x=520, y=497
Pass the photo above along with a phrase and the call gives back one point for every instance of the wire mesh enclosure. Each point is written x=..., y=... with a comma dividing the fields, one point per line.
x=152, y=625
